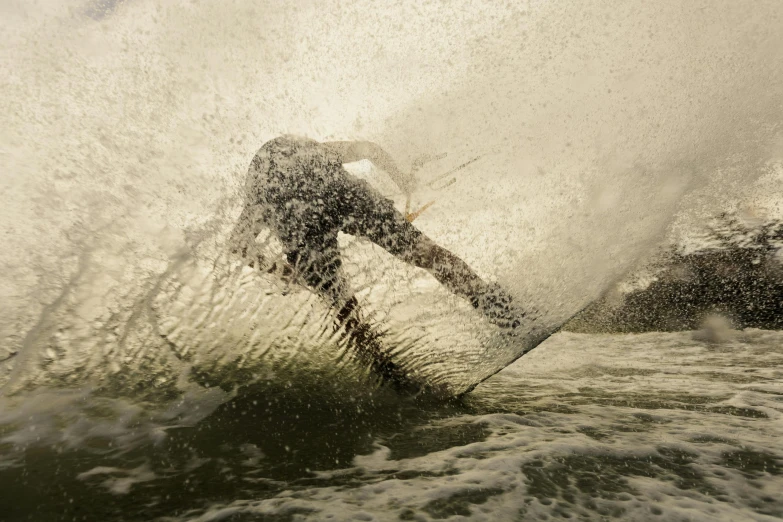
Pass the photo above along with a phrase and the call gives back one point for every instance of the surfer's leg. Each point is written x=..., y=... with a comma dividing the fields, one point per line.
x=453, y=273
x=320, y=268
x=375, y=218
x=368, y=346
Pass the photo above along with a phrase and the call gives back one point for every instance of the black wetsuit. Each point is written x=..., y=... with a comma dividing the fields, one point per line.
x=305, y=195
x=299, y=188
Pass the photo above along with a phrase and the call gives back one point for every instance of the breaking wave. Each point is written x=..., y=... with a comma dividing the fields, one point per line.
x=127, y=128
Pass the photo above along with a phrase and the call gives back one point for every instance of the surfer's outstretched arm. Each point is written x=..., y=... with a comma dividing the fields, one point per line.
x=350, y=151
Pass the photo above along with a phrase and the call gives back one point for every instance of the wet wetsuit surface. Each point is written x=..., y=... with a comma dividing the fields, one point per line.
x=307, y=197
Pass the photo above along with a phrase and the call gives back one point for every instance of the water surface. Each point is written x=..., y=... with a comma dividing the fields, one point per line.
x=655, y=426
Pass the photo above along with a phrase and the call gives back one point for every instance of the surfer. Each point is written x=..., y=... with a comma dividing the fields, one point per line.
x=298, y=188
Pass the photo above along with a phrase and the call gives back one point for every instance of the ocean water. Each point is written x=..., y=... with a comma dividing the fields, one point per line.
x=657, y=426
x=146, y=374
x=128, y=126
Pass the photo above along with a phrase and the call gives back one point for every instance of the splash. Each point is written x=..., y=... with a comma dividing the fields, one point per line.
x=128, y=126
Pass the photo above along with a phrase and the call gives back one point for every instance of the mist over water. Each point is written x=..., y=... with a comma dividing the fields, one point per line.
x=128, y=127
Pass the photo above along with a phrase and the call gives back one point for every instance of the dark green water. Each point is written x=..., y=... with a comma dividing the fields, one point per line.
x=588, y=427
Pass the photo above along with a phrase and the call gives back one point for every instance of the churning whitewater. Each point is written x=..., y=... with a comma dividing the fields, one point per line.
x=147, y=373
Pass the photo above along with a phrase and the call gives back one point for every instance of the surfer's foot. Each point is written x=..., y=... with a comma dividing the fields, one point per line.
x=498, y=307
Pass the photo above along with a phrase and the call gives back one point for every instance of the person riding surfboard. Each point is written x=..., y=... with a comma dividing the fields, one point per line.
x=297, y=187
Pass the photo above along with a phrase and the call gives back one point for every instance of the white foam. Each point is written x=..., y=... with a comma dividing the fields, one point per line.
x=644, y=438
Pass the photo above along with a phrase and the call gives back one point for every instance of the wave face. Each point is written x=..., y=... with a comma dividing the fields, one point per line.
x=127, y=128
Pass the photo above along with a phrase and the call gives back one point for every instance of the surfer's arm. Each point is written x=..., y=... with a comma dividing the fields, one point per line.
x=243, y=242
x=350, y=151
x=245, y=232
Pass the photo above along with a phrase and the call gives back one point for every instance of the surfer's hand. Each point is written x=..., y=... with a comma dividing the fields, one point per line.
x=411, y=182
x=420, y=161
